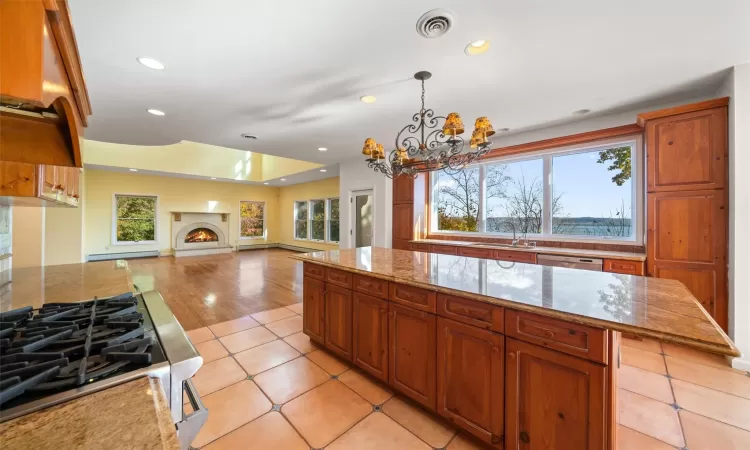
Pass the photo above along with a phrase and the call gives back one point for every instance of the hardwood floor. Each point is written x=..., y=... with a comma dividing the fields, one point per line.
x=206, y=290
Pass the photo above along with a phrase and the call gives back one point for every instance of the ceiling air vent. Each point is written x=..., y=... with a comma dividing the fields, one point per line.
x=435, y=23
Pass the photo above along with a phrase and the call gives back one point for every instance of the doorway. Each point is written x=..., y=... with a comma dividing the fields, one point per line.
x=363, y=209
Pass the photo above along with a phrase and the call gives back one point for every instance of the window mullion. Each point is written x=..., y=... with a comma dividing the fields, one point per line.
x=547, y=196
x=481, y=226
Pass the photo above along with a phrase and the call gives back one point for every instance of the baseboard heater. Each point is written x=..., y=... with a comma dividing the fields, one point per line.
x=293, y=248
x=125, y=255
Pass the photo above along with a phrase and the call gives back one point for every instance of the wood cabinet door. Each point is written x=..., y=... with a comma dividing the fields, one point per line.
x=687, y=242
x=370, y=335
x=470, y=379
x=338, y=312
x=402, y=222
x=313, y=308
x=72, y=185
x=687, y=151
x=48, y=182
x=411, y=336
x=403, y=190
x=553, y=400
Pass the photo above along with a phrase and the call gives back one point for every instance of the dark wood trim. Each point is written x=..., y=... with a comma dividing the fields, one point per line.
x=692, y=107
x=562, y=141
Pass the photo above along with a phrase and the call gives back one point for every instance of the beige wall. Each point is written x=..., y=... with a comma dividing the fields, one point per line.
x=28, y=236
x=175, y=195
x=64, y=234
x=322, y=189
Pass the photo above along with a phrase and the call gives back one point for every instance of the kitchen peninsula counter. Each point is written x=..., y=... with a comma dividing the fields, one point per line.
x=641, y=306
x=35, y=286
x=133, y=415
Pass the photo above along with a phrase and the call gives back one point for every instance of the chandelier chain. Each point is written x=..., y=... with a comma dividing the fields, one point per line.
x=422, y=95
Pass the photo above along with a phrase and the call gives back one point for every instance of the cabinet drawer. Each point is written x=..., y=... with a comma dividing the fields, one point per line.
x=482, y=315
x=523, y=257
x=572, y=338
x=420, y=247
x=371, y=286
x=339, y=278
x=621, y=266
x=413, y=297
x=485, y=253
x=314, y=271
x=444, y=249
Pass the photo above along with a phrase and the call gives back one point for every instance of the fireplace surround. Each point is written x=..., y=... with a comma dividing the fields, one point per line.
x=196, y=234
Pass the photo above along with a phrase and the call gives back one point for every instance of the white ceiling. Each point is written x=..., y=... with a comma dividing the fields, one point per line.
x=292, y=71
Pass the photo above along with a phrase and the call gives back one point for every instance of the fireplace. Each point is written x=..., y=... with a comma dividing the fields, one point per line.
x=202, y=235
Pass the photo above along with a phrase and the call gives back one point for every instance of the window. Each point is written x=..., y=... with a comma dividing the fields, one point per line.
x=583, y=193
x=318, y=220
x=135, y=219
x=300, y=220
x=252, y=215
x=333, y=220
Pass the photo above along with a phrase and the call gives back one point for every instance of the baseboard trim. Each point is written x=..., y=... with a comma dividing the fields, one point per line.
x=295, y=248
x=741, y=364
x=123, y=255
x=254, y=246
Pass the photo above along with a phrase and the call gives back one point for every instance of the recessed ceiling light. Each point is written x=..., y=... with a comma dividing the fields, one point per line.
x=477, y=47
x=133, y=170
x=367, y=99
x=156, y=112
x=581, y=112
x=323, y=170
x=151, y=63
x=322, y=149
x=265, y=183
x=213, y=178
x=283, y=179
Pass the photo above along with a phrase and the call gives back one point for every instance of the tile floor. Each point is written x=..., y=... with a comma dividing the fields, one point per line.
x=267, y=386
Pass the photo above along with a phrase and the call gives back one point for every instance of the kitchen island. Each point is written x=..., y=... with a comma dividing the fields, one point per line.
x=520, y=355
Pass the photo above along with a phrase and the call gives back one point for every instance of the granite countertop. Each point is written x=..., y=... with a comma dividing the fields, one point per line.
x=35, y=286
x=133, y=415
x=649, y=307
x=543, y=250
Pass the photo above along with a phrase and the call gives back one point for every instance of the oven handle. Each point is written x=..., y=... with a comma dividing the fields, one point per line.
x=191, y=424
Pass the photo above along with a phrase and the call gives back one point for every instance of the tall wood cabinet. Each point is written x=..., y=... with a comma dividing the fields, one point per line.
x=687, y=172
x=409, y=210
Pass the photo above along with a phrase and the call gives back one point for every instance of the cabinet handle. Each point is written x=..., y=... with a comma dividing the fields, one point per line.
x=511, y=355
x=524, y=437
x=391, y=314
x=382, y=311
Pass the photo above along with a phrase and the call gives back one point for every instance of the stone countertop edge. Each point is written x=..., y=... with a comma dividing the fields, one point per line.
x=132, y=415
x=562, y=251
x=730, y=350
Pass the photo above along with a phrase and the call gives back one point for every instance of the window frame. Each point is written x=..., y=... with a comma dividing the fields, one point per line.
x=294, y=221
x=310, y=219
x=239, y=221
x=328, y=219
x=546, y=155
x=114, y=219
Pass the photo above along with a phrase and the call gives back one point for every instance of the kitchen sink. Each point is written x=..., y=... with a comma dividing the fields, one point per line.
x=489, y=244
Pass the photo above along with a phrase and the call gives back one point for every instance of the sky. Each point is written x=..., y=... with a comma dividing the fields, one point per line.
x=586, y=186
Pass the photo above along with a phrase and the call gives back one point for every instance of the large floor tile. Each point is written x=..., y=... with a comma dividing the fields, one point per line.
x=378, y=432
x=285, y=327
x=247, y=339
x=271, y=431
x=364, y=386
x=425, y=426
x=648, y=345
x=272, y=315
x=229, y=409
x=211, y=350
x=465, y=442
x=709, y=376
x=632, y=440
x=296, y=308
x=702, y=433
x=650, y=417
x=233, y=326
x=266, y=356
x=682, y=352
x=216, y=375
x=301, y=342
x=714, y=404
x=291, y=379
x=653, y=362
x=200, y=335
x=326, y=412
x=329, y=363
x=646, y=383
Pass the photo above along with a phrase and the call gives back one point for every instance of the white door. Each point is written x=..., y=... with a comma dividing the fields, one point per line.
x=362, y=218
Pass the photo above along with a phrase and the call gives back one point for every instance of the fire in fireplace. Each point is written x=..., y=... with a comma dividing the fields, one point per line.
x=201, y=235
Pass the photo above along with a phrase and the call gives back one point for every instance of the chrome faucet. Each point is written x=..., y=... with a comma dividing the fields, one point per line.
x=514, y=242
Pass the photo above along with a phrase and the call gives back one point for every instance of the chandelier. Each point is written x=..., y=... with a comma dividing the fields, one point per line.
x=424, y=147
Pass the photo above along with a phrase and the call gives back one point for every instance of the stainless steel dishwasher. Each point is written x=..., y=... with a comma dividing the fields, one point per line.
x=571, y=262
